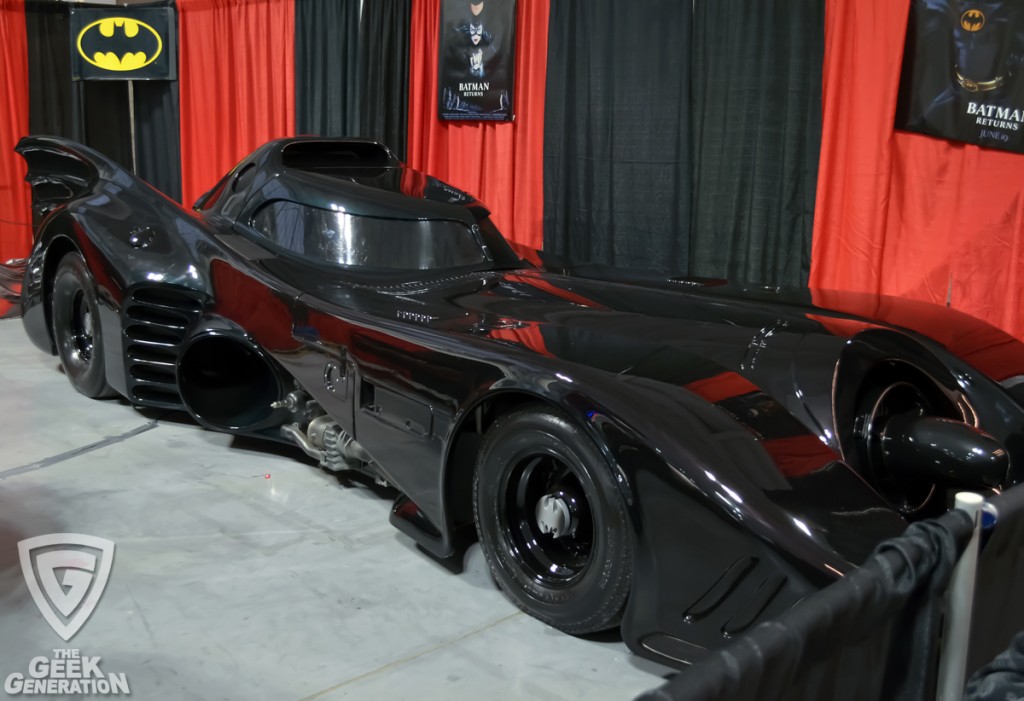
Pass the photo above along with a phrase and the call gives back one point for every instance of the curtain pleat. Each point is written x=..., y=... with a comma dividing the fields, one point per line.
x=54, y=101
x=499, y=163
x=157, y=135
x=106, y=118
x=616, y=136
x=326, y=67
x=384, y=71
x=15, y=213
x=756, y=134
x=237, y=82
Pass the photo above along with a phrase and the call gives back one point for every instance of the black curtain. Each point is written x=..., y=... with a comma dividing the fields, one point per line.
x=98, y=113
x=106, y=118
x=384, y=72
x=616, y=133
x=158, y=135
x=756, y=83
x=326, y=67
x=54, y=101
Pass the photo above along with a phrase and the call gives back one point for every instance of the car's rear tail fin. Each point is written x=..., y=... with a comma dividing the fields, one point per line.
x=58, y=170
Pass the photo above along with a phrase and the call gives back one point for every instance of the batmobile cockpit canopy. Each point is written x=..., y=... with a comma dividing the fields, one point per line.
x=352, y=203
x=365, y=242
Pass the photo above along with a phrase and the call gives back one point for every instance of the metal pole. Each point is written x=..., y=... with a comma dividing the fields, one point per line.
x=131, y=123
x=959, y=602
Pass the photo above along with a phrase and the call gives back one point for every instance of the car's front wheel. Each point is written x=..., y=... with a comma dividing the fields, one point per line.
x=74, y=312
x=552, y=524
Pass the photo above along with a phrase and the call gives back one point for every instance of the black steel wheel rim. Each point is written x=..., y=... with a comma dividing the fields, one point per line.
x=556, y=562
x=81, y=327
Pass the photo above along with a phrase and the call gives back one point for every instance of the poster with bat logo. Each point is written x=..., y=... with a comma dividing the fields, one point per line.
x=476, y=60
x=963, y=72
x=123, y=43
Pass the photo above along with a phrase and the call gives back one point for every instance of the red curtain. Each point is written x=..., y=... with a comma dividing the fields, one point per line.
x=237, y=73
x=15, y=196
x=905, y=214
x=499, y=163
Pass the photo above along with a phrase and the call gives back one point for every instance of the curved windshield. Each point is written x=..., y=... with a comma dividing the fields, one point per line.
x=368, y=242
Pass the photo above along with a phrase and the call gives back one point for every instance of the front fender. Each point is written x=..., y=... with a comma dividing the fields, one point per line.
x=727, y=533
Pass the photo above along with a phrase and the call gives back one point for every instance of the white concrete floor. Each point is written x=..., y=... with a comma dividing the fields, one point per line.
x=247, y=573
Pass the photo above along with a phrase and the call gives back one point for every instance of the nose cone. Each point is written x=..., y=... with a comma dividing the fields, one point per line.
x=944, y=451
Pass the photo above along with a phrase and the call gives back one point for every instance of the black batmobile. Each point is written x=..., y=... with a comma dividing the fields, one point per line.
x=678, y=457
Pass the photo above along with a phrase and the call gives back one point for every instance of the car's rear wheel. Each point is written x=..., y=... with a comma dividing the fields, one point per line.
x=552, y=523
x=74, y=312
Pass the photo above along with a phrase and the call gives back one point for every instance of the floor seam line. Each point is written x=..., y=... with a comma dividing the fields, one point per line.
x=75, y=452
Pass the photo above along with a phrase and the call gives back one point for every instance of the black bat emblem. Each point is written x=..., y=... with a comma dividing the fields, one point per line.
x=972, y=20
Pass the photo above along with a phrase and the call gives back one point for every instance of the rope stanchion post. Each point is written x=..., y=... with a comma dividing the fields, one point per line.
x=959, y=603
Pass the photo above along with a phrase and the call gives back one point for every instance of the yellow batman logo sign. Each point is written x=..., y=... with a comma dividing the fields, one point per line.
x=119, y=44
x=972, y=20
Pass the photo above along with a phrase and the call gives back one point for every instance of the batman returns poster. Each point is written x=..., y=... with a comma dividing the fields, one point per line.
x=963, y=72
x=477, y=60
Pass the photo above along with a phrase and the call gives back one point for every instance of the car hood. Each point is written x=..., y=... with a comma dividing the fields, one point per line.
x=716, y=340
x=637, y=324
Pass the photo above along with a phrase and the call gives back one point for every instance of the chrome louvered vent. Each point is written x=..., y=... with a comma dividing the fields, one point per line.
x=154, y=323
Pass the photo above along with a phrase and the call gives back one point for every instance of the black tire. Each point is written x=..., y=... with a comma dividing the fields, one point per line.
x=74, y=313
x=579, y=581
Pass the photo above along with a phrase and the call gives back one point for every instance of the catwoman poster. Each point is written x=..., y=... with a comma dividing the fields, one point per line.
x=477, y=58
x=963, y=72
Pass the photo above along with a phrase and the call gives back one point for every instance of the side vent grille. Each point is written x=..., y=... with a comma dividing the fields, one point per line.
x=154, y=323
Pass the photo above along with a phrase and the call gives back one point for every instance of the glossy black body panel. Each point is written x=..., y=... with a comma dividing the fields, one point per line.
x=728, y=417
